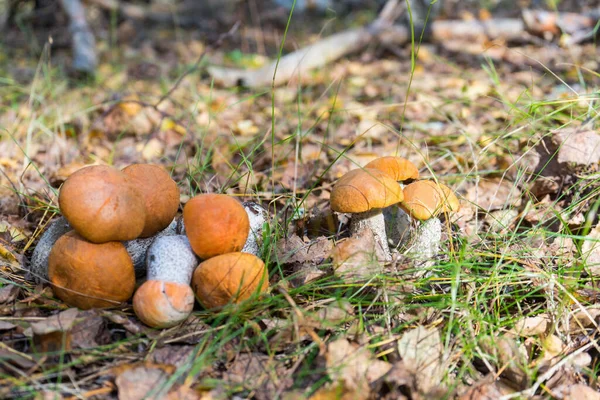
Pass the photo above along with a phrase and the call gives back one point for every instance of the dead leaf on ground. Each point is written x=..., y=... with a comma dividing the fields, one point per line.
x=590, y=252
x=90, y=330
x=176, y=355
x=354, y=365
x=576, y=392
x=423, y=355
x=577, y=146
x=488, y=389
x=303, y=258
x=258, y=372
x=54, y=333
x=8, y=293
x=531, y=326
x=139, y=382
x=494, y=194
x=509, y=357
x=355, y=257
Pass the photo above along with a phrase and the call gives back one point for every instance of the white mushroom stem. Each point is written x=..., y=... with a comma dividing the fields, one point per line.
x=373, y=221
x=425, y=241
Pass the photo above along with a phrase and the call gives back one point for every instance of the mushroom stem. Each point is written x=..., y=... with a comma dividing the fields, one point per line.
x=373, y=221
x=425, y=241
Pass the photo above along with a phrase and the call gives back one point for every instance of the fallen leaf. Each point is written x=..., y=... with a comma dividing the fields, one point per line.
x=354, y=365
x=494, y=194
x=422, y=353
x=575, y=392
x=53, y=333
x=531, y=326
x=509, y=357
x=143, y=382
x=577, y=147
x=8, y=293
x=355, y=257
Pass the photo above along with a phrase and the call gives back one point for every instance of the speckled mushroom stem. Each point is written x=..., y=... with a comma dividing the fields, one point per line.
x=373, y=221
x=425, y=241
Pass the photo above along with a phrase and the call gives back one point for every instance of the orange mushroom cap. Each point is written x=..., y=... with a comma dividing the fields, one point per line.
x=160, y=193
x=88, y=275
x=163, y=304
x=397, y=168
x=361, y=190
x=215, y=224
x=229, y=278
x=426, y=199
x=101, y=205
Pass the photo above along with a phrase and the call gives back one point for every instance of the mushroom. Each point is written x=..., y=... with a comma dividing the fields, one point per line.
x=364, y=193
x=215, y=224
x=138, y=248
x=89, y=275
x=397, y=222
x=38, y=267
x=160, y=193
x=101, y=205
x=257, y=217
x=424, y=200
x=397, y=168
x=166, y=298
x=229, y=278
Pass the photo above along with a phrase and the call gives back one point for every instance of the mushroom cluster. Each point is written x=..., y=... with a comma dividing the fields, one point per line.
x=90, y=267
x=119, y=224
x=383, y=197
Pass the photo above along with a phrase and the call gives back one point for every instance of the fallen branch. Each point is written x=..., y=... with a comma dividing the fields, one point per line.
x=83, y=42
x=336, y=46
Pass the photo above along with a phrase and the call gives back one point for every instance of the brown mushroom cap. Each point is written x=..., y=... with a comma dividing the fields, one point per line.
x=397, y=168
x=88, y=275
x=361, y=190
x=160, y=193
x=229, y=278
x=426, y=199
x=163, y=304
x=101, y=205
x=215, y=224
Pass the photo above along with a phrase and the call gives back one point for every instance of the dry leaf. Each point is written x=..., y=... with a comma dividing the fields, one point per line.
x=531, y=326
x=8, y=293
x=422, y=354
x=509, y=357
x=143, y=382
x=354, y=365
x=577, y=147
x=53, y=334
x=494, y=194
x=576, y=392
x=355, y=257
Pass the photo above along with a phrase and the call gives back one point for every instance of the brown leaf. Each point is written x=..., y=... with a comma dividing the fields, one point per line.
x=90, y=330
x=8, y=293
x=356, y=257
x=494, y=194
x=576, y=392
x=510, y=357
x=143, y=382
x=487, y=389
x=175, y=355
x=258, y=372
x=354, y=366
x=422, y=353
x=577, y=147
x=531, y=326
x=54, y=333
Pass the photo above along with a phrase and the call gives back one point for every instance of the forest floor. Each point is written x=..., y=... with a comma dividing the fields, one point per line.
x=508, y=308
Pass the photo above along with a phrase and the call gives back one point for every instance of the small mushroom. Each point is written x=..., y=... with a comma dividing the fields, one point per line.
x=215, y=224
x=397, y=222
x=424, y=200
x=257, y=217
x=229, y=278
x=364, y=193
x=160, y=193
x=138, y=248
x=89, y=275
x=38, y=267
x=166, y=298
x=101, y=205
x=397, y=168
